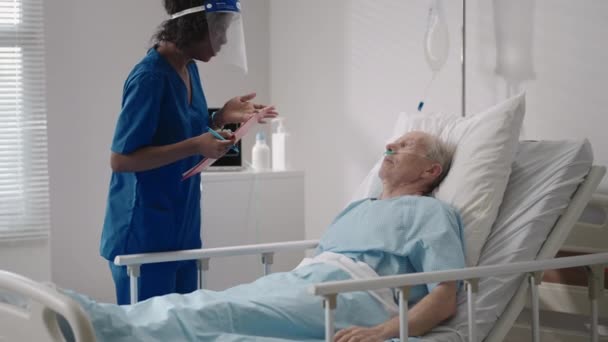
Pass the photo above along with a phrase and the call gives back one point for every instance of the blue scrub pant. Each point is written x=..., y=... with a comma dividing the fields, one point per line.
x=156, y=280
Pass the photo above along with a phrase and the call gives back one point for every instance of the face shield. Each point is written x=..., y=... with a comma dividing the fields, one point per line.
x=225, y=30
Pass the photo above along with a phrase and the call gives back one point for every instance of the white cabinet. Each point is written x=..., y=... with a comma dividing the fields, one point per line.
x=246, y=208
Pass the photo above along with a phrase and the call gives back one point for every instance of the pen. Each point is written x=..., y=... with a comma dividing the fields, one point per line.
x=217, y=135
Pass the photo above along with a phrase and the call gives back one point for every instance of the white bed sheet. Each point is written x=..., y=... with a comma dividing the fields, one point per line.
x=544, y=177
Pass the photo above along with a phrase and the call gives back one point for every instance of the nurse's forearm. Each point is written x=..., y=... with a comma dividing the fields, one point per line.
x=152, y=157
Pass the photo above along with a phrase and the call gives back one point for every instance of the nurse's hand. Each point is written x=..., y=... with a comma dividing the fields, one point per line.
x=240, y=109
x=211, y=147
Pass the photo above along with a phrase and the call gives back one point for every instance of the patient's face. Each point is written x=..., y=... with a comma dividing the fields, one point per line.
x=409, y=160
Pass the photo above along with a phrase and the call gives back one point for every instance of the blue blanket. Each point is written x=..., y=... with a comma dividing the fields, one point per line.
x=277, y=307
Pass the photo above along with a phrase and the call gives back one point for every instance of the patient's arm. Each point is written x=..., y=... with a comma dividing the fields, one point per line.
x=433, y=309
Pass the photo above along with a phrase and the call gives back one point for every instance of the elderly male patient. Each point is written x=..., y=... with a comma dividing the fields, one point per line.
x=402, y=231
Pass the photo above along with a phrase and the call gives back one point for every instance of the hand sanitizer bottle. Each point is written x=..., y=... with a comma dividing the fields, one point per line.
x=260, y=154
x=279, y=144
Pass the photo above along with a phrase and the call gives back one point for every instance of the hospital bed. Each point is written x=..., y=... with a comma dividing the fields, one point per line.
x=496, y=290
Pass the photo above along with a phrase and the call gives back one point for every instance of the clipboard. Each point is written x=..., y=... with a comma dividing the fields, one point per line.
x=238, y=135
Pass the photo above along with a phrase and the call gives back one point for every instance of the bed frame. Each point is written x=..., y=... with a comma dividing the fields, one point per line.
x=39, y=321
x=572, y=297
x=52, y=302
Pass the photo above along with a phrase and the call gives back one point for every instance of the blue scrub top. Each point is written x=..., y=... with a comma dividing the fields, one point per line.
x=154, y=210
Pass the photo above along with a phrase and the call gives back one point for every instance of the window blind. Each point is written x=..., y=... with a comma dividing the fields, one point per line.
x=24, y=182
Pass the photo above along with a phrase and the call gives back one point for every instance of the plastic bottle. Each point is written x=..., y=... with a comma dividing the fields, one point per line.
x=436, y=43
x=279, y=146
x=437, y=40
x=260, y=154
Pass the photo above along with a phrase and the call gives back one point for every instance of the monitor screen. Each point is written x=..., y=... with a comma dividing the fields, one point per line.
x=231, y=159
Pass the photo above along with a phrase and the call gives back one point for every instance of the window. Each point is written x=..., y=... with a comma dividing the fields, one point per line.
x=24, y=188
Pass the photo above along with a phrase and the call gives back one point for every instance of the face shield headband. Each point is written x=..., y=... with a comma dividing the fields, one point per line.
x=225, y=30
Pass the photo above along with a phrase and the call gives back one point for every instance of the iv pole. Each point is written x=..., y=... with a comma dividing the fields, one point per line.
x=463, y=56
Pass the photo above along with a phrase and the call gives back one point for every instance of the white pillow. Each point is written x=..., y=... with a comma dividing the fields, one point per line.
x=486, y=145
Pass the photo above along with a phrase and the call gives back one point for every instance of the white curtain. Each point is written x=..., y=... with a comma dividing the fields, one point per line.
x=24, y=188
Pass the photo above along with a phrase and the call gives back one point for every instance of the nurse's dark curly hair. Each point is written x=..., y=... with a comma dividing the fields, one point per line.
x=184, y=30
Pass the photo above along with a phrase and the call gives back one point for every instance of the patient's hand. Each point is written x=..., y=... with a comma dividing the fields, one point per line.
x=360, y=334
x=434, y=308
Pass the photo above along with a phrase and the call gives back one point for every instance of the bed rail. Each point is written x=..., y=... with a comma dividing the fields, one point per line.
x=471, y=275
x=202, y=256
x=46, y=304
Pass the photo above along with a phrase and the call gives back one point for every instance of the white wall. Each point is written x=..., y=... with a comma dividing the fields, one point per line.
x=29, y=258
x=91, y=47
x=342, y=70
x=566, y=96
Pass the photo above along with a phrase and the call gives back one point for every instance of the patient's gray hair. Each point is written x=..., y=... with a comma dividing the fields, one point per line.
x=442, y=153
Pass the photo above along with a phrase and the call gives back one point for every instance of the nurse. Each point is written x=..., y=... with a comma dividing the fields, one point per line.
x=161, y=133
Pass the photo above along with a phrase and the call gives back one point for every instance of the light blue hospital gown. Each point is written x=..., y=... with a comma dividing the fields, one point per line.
x=400, y=235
